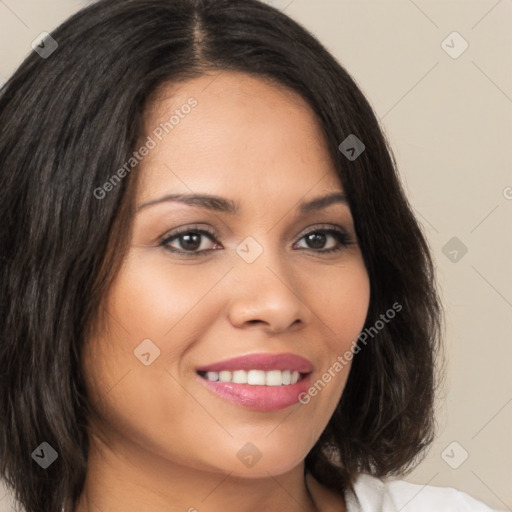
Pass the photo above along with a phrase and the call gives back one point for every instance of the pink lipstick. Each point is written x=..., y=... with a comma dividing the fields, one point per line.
x=262, y=382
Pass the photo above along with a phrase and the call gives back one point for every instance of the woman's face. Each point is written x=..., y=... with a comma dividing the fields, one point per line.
x=255, y=284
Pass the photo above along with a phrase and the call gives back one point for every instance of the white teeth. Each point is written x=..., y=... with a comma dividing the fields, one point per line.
x=256, y=377
x=213, y=376
x=225, y=376
x=274, y=378
x=239, y=377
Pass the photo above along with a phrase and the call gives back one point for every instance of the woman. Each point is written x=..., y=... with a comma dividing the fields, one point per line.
x=215, y=295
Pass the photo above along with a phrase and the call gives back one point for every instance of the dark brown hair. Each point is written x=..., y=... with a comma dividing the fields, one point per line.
x=70, y=120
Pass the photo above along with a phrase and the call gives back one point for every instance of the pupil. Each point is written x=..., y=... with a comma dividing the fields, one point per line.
x=318, y=240
x=189, y=242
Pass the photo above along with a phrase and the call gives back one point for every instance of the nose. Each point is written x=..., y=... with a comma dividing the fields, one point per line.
x=266, y=295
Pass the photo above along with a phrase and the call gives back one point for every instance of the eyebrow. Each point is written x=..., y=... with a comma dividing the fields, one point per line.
x=223, y=205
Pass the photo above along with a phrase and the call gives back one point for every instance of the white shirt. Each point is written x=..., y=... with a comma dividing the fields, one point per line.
x=374, y=495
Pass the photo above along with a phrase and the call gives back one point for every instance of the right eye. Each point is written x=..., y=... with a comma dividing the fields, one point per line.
x=190, y=239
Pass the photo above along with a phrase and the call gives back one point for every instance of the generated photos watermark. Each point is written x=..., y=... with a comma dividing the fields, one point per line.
x=343, y=360
x=158, y=133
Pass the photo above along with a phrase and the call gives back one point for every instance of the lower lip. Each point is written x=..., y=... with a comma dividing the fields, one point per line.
x=259, y=398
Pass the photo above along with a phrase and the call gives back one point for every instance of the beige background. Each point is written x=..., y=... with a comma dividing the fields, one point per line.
x=449, y=121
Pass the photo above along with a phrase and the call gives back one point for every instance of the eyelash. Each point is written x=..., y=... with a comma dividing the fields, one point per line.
x=343, y=238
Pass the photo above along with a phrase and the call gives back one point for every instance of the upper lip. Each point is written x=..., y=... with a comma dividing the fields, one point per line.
x=264, y=362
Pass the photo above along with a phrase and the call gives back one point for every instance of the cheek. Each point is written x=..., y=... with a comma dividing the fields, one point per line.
x=341, y=302
x=342, y=308
x=153, y=298
x=153, y=308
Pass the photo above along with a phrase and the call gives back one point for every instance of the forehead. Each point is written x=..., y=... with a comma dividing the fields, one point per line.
x=243, y=134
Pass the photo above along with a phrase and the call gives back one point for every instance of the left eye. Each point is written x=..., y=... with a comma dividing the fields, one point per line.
x=191, y=240
x=318, y=237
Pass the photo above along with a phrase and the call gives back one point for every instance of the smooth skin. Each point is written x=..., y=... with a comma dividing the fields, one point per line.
x=160, y=439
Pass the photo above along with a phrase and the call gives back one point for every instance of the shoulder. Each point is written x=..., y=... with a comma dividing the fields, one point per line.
x=374, y=495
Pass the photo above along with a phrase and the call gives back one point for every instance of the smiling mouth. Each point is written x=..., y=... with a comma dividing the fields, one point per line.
x=255, y=377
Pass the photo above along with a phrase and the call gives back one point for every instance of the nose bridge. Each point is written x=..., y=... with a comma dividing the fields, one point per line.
x=261, y=258
x=264, y=289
